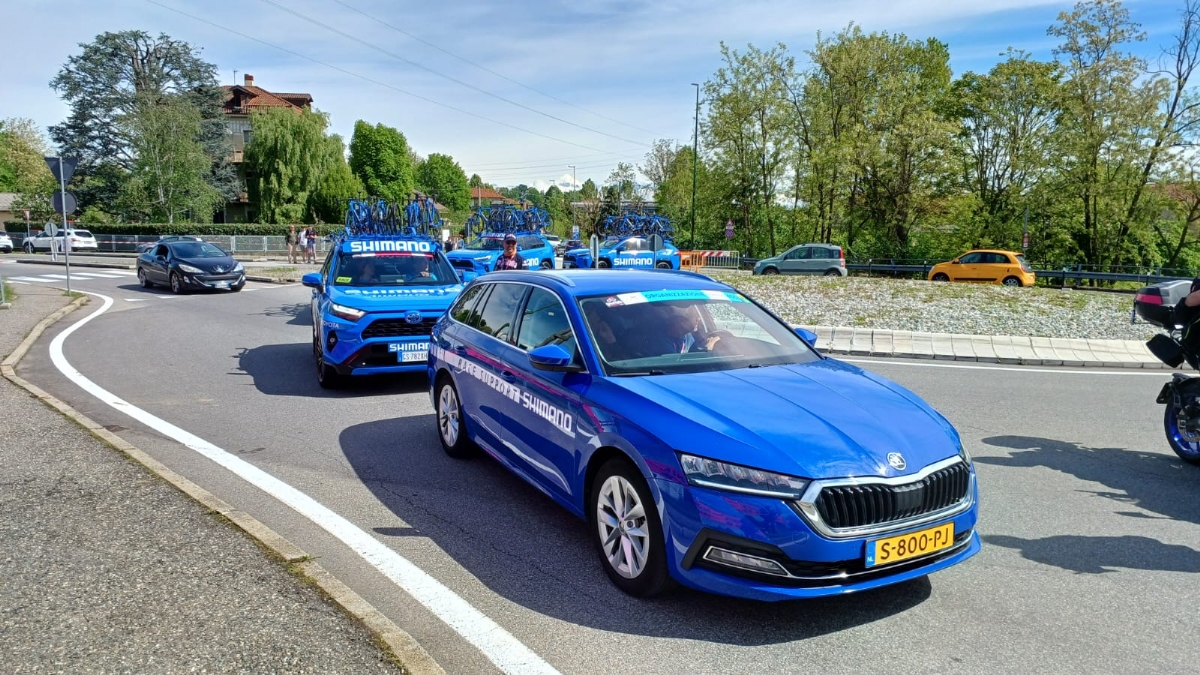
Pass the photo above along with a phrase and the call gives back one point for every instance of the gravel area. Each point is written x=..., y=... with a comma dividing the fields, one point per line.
x=899, y=304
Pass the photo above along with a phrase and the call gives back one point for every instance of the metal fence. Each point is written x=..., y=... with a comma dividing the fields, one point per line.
x=239, y=244
x=714, y=259
x=1052, y=273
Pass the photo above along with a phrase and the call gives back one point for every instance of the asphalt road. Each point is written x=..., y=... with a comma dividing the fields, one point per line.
x=1090, y=525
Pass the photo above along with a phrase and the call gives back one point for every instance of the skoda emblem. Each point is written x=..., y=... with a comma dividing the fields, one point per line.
x=415, y=317
x=897, y=461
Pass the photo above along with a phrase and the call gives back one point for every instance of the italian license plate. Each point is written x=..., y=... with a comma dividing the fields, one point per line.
x=222, y=284
x=911, y=545
x=411, y=357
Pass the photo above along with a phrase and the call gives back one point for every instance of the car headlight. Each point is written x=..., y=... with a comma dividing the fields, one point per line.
x=966, y=456
x=347, y=313
x=723, y=476
x=239, y=268
x=190, y=270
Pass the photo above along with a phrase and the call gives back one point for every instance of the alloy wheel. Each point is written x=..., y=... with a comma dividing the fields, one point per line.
x=448, y=412
x=621, y=519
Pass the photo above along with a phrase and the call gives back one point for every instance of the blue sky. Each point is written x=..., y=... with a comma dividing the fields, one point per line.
x=615, y=73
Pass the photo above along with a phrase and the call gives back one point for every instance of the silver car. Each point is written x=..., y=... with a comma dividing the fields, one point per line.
x=5, y=242
x=825, y=259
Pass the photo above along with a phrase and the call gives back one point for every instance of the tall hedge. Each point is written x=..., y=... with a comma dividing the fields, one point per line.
x=155, y=229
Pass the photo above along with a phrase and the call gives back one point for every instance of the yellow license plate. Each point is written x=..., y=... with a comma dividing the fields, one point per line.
x=911, y=545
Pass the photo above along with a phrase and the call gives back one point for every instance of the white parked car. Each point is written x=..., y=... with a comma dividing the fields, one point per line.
x=81, y=240
x=5, y=242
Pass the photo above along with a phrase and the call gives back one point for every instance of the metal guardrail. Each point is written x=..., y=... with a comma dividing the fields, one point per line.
x=1062, y=274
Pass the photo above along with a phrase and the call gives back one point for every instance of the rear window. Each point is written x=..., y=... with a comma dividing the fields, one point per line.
x=81, y=233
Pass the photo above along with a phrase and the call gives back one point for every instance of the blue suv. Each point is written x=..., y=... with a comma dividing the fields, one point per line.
x=626, y=253
x=374, y=304
x=704, y=440
x=480, y=254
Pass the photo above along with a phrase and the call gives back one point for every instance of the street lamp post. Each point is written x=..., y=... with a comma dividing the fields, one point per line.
x=695, y=159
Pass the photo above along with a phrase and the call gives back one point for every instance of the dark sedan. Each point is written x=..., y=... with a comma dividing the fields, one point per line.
x=166, y=238
x=190, y=265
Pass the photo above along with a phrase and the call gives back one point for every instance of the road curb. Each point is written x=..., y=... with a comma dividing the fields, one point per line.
x=111, y=266
x=403, y=647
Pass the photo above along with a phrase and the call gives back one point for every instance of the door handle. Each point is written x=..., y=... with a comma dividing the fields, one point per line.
x=508, y=376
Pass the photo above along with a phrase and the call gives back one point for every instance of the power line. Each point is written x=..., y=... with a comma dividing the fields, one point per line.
x=486, y=69
x=551, y=159
x=367, y=79
x=455, y=80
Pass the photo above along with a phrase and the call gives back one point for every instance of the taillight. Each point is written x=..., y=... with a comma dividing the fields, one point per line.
x=1148, y=299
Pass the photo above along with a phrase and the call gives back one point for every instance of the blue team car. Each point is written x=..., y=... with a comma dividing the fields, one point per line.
x=633, y=252
x=704, y=440
x=481, y=253
x=374, y=304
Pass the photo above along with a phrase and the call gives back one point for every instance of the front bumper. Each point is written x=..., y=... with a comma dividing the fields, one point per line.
x=812, y=565
x=471, y=264
x=215, y=281
x=378, y=343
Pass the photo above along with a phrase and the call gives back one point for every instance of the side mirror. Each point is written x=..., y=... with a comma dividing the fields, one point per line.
x=954, y=262
x=552, y=357
x=466, y=275
x=808, y=336
x=312, y=280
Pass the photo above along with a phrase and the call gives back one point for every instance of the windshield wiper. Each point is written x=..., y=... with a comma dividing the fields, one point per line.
x=647, y=372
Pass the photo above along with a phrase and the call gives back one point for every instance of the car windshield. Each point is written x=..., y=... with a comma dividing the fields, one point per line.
x=394, y=269
x=197, y=249
x=80, y=233
x=687, y=331
x=487, y=244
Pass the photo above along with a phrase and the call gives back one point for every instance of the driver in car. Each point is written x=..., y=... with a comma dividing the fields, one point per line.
x=418, y=268
x=366, y=272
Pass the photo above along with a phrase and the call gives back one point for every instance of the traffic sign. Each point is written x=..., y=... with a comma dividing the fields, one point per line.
x=594, y=246
x=51, y=229
x=729, y=229
x=62, y=169
x=58, y=202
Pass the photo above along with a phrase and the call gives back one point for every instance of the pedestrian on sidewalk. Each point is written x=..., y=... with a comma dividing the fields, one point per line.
x=304, y=243
x=292, y=240
x=310, y=250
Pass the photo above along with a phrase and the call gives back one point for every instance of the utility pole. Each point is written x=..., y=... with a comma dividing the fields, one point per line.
x=695, y=160
x=574, y=222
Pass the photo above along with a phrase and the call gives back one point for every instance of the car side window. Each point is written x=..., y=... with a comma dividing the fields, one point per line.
x=545, y=322
x=802, y=253
x=161, y=249
x=531, y=242
x=999, y=258
x=461, y=311
x=970, y=259
x=500, y=310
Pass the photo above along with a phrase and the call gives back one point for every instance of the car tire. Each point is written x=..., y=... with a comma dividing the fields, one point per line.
x=770, y=271
x=615, y=533
x=547, y=265
x=28, y=247
x=1012, y=281
x=940, y=277
x=663, y=265
x=832, y=273
x=604, y=264
x=143, y=279
x=568, y=265
x=176, y=284
x=452, y=432
x=327, y=376
x=8, y=249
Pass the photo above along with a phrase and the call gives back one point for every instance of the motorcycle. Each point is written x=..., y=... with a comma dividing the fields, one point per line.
x=1181, y=419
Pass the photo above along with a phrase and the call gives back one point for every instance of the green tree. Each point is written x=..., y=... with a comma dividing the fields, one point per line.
x=475, y=181
x=22, y=149
x=167, y=180
x=623, y=178
x=440, y=175
x=337, y=184
x=1007, y=117
x=288, y=154
x=1110, y=114
x=588, y=190
x=106, y=83
x=380, y=157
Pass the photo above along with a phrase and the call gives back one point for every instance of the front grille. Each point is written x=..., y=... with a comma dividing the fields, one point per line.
x=463, y=263
x=846, y=506
x=382, y=328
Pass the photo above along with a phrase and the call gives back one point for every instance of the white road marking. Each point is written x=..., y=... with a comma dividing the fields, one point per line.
x=37, y=279
x=56, y=277
x=97, y=275
x=124, y=274
x=21, y=283
x=135, y=299
x=500, y=646
x=1013, y=369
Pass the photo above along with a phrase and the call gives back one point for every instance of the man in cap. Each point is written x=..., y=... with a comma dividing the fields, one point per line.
x=510, y=259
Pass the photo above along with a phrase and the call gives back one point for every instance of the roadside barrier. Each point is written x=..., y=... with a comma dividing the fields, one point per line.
x=716, y=259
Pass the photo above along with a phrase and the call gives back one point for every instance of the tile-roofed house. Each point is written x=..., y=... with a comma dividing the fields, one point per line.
x=481, y=196
x=240, y=101
x=7, y=200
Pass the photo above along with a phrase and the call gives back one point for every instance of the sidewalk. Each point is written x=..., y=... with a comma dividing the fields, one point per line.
x=1029, y=351
x=108, y=567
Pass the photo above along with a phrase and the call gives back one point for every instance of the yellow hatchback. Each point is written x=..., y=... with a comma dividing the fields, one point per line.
x=986, y=267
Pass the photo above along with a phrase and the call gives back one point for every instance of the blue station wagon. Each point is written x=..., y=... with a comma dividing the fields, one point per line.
x=704, y=440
